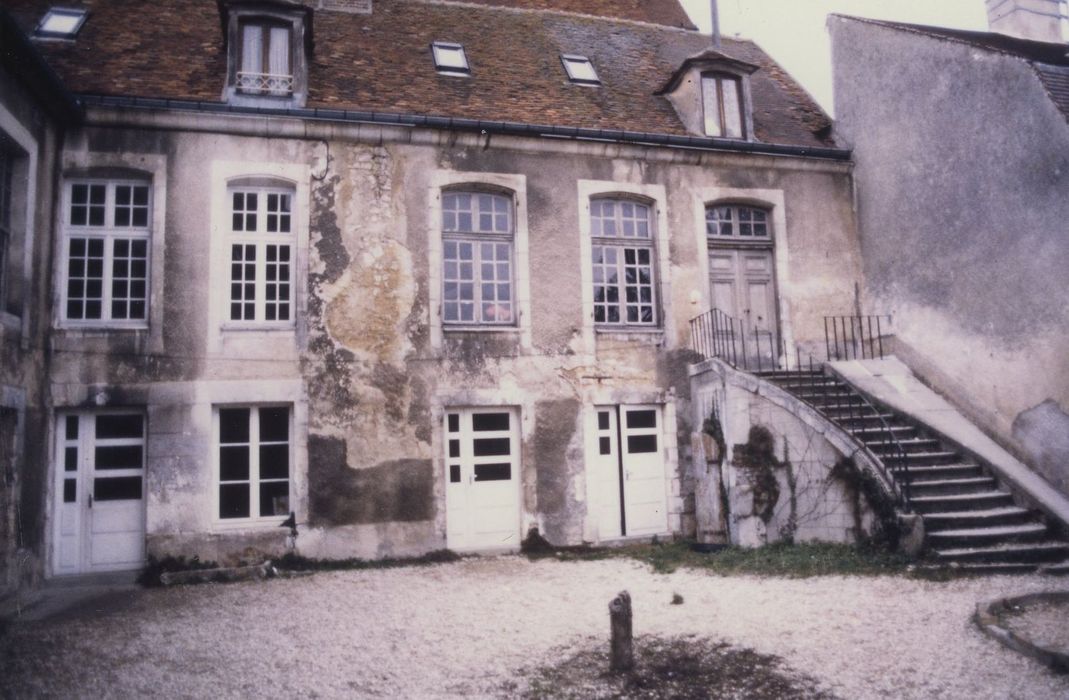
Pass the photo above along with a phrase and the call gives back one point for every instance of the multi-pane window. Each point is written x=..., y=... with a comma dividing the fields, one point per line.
x=735, y=221
x=261, y=255
x=623, y=257
x=106, y=238
x=265, y=59
x=722, y=105
x=477, y=242
x=254, y=456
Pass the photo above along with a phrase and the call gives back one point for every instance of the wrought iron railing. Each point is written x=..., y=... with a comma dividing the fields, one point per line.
x=715, y=334
x=264, y=83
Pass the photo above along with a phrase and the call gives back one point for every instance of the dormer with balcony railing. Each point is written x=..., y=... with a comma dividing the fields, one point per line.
x=268, y=48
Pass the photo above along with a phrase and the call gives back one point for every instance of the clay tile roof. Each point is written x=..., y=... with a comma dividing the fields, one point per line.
x=382, y=61
x=667, y=12
x=1049, y=60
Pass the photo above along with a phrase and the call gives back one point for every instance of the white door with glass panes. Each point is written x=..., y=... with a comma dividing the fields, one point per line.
x=628, y=472
x=482, y=475
x=99, y=514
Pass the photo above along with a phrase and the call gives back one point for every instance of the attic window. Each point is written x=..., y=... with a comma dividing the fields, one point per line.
x=450, y=59
x=580, y=70
x=61, y=23
x=722, y=105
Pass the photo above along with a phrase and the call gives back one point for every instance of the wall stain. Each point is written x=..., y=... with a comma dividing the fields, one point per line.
x=555, y=425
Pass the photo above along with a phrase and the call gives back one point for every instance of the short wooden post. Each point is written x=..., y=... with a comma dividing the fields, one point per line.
x=623, y=652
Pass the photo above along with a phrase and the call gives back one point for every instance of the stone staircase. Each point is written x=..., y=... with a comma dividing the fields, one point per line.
x=969, y=520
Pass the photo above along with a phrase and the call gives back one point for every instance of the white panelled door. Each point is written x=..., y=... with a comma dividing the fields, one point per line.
x=99, y=495
x=482, y=464
x=628, y=472
x=742, y=285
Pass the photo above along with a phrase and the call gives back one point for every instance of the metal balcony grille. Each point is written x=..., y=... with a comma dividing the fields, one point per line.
x=264, y=83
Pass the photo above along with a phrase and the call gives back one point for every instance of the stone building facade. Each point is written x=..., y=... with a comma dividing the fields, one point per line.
x=419, y=273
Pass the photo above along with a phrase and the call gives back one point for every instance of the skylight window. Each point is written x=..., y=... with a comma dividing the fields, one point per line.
x=61, y=23
x=580, y=70
x=450, y=58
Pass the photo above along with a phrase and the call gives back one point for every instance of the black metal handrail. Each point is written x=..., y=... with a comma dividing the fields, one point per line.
x=717, y=334
x=853, y=337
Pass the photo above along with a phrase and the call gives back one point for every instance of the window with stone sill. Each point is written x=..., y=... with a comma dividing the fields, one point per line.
x=478, y=280
x=254, y=456
x=262, y=250
x=106, y=236
x=722, y=105
x=266, y=66
x=624, y=269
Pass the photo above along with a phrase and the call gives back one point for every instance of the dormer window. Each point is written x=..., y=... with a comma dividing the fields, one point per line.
x=60, y=23
x=450, y=59
x=269, y=46
x=722, y=105
x=580, y=70
x=266, y=61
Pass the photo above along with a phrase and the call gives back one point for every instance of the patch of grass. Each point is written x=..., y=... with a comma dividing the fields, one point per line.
x=684, y=668
x=781, y=559
x=294, y=562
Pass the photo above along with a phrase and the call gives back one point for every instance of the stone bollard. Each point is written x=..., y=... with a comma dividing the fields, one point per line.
x=623, y=653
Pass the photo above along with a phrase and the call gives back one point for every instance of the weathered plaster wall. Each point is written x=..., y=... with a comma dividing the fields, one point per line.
x=27, y=128
x=368, y=380
x=962, y=174
x=808, y=501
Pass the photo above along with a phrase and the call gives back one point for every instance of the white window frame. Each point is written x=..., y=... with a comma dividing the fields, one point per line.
x=254, y=480
x=77, y=14
x=736, y=223
x=622, y=244
x=717, y=80
x=261, y=239
x=573, y=67
x=110, y=233
x=263, y=82
x=439, y=51
x=8, y=202
x=450, y=180
x=479, y=238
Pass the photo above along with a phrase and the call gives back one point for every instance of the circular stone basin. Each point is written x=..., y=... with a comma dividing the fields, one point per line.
x=1036, y=625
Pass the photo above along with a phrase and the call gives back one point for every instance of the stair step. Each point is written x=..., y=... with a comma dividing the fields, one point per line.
x=940, y=471
x=969, y=485
x=1009, y=515
x=809, y=382
x=974, y=568
x=1058, y=569
x=931, y=459
x=774, y=374
x=946, y=503
x=878, y=429
x=977, y=536
x=908, y=445
x=1024, y=552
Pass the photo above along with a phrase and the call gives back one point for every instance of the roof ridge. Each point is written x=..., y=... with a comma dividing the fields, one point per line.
x=567, y=13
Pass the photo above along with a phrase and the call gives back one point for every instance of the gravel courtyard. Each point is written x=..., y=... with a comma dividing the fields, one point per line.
x=471, y=628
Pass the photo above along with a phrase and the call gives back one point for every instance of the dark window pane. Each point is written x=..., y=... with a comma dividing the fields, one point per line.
x=493, y=472
x=603, y=420
x=234, y=463
x=119, y=426
x=233, y=425
x=70, y=490
x=275, y=498
x=490, y=421
x=72, y=427
x=70, y=459
x=641, y=443
x=234, y=501
x=605, y=445
x=274, y=424
x=641, y=419
x=454, y=423
x=454, y=473
x=454, y=448
x=122, y=488
x=124, y=457
x=274, y=461
x=490, y=447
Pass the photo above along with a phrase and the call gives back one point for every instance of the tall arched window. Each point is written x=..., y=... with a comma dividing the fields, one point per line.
x=623, y=257
x=477, y=243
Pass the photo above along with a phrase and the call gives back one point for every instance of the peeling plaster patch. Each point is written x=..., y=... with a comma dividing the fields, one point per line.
x=396, y=491
x=368, y=315
x=1043, y=432
x=326, y=234
x=555, y=447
